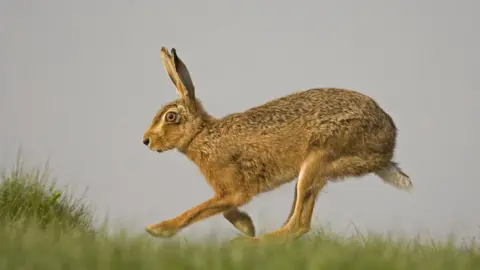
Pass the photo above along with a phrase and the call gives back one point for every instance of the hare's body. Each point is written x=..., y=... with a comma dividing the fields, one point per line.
x=317, y=135
x=267, y=145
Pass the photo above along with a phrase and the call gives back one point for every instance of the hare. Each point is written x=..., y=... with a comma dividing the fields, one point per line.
x=317, y=135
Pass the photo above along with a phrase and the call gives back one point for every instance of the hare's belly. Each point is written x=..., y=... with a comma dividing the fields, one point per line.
x=277, y=179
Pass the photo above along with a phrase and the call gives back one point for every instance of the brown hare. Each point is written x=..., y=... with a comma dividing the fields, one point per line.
x=316, y=135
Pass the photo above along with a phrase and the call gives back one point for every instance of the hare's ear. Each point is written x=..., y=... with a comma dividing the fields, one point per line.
x=184, y=75
x=178, y=73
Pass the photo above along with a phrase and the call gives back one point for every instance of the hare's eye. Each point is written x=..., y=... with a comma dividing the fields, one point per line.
x=171, y=116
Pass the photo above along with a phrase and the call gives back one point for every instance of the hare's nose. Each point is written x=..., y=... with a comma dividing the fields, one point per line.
x=146, y=141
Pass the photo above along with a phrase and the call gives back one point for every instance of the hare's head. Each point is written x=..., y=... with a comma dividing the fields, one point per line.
x=178, y=122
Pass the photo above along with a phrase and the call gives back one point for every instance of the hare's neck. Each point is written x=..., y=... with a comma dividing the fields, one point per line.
x=196, y=155
x=198, y=124
x=198, y=149
x=186, y=145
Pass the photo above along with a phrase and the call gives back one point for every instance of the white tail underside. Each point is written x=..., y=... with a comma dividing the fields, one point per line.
x=394, y=176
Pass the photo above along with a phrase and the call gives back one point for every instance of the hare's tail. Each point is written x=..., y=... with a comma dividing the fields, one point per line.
x=393, y=175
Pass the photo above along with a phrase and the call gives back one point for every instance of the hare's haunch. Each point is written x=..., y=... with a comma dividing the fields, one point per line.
x=316, y=135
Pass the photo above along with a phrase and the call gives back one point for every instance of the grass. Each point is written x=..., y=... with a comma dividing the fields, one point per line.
x=41, y=227
x=32, y=197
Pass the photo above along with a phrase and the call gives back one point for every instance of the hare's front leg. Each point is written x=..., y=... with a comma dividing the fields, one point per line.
x=213, y=206
x=241, y=220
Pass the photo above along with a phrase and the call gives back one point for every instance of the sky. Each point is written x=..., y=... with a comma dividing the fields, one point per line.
x=81, y=80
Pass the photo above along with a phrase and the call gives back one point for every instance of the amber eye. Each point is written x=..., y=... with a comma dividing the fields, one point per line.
x=171, y=116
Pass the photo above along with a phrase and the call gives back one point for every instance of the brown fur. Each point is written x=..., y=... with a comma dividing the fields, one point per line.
x=317, y=135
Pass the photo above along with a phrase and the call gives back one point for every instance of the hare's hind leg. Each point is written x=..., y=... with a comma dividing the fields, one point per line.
x=316, y=169
x=310, y=204
x=292, y=209
x=241, y=220
x=311, y=180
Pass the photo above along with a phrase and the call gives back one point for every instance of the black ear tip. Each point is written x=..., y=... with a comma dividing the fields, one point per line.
x=174, y=51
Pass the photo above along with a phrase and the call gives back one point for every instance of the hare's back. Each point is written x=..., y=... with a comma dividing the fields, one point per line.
x=314, y=107
x=322, y=102
x=327, y=116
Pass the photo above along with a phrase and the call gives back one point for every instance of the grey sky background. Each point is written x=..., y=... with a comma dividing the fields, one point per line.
x=81, y=80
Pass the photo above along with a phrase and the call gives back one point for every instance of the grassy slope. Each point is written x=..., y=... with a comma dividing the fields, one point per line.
x=40, y=229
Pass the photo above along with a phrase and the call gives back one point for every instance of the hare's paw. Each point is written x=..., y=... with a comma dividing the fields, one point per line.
x=163, y=229
x=246, y=227
x=241, y=221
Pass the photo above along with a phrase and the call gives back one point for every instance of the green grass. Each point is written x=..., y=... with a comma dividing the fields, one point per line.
x=30, y=196
x=42, y=227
